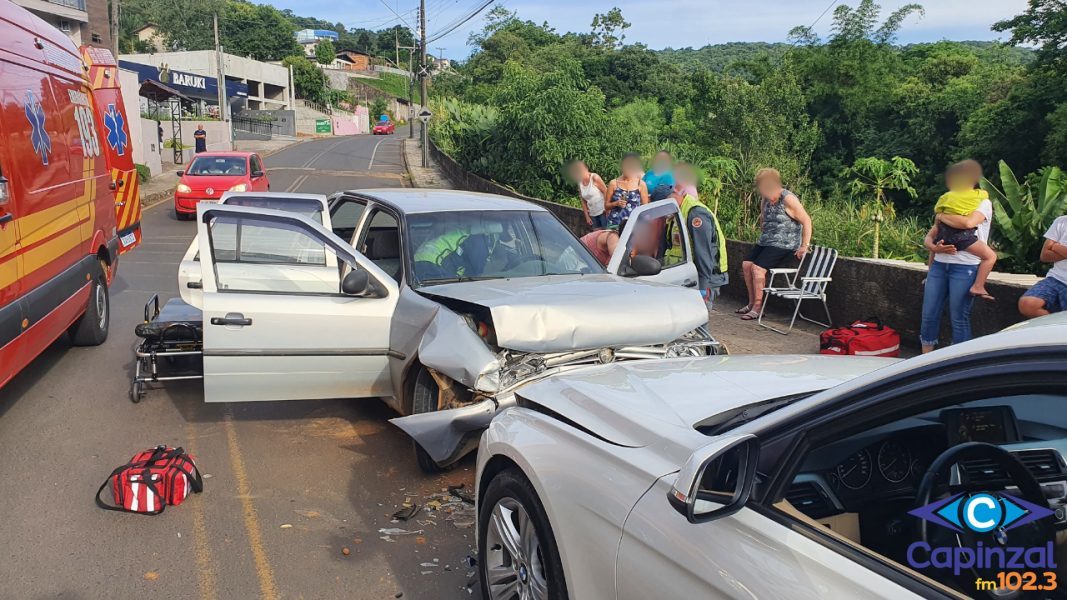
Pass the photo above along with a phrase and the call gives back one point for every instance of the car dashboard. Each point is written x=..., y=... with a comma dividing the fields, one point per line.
x=865, y=484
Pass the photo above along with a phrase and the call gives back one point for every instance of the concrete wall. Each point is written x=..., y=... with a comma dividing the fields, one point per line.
x=146, y=145
x=890, y=290
x=862, y=288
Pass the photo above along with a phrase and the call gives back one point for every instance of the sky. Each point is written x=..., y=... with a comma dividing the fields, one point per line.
x=667, y=23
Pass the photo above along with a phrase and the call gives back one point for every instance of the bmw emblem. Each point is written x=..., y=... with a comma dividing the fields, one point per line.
x=209, y=191
x=1001, y=536
x=523, y=573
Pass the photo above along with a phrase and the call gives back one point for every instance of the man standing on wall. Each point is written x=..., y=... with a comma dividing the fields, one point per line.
x=200, y=137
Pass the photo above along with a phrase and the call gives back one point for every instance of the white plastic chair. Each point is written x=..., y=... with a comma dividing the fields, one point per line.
x=813, y=276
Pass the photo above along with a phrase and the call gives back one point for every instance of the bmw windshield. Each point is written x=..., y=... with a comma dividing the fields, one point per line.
x=447, y=247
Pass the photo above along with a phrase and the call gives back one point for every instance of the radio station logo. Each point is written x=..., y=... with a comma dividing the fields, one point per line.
x=990, y=514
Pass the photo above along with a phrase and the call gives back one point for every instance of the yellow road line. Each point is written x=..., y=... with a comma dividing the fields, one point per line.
x=205, y=566
x=267, y=589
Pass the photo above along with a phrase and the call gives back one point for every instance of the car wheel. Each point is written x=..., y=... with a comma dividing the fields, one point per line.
x=517, y=553
x=180, y=215
x=424, y=395
x=91, y=328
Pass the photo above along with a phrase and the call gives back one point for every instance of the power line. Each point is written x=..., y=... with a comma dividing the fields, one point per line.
x=451, y=28
x=398, y=15
x=832, y=4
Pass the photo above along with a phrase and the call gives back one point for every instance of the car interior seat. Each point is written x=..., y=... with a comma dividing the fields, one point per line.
x=383, y=249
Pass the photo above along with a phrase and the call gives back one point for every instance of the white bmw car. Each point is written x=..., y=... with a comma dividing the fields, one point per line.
x=792, y=477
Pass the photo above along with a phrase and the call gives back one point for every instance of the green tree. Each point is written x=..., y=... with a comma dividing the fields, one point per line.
x=324, y=52
x=1044, y=23
x=1023, y=212
x=256, y=30
x=609, y=28
x=871, y=177
x=308, y=78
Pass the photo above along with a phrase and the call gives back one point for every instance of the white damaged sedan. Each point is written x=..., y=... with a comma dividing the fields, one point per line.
x=442, y=303
x=800, y=477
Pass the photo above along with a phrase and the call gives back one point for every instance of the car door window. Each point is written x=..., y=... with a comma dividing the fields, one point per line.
x=257, y=165
x=345, y=214
x=381, y=243
x=903, y=488
x=259, y=255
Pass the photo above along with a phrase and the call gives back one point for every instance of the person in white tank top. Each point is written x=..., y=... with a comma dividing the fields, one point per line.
x=592, y=190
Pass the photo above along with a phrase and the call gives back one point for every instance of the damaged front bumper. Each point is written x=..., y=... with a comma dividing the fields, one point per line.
x=448, y=435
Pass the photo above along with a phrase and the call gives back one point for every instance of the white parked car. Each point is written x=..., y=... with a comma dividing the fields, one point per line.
x=803, y=477
x=443, y=303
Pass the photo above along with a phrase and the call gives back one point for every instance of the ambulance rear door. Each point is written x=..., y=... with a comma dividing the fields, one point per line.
x=116, y=143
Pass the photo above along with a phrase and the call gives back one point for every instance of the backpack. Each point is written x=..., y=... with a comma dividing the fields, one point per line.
x=869, y=337
x=152, y=480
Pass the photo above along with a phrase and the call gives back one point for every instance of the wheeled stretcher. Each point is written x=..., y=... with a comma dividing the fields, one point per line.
x=171, y=346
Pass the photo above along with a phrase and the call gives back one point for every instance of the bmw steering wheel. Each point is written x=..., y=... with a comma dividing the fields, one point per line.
x=1035, y=533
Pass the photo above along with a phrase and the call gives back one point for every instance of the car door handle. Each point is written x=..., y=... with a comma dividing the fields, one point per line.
x=689, y=283
x=232, y=319
x=194, y=285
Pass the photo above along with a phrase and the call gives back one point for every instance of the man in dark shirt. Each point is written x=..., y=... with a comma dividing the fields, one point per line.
x=200, y=136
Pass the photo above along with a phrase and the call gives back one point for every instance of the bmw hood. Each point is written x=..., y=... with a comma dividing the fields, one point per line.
x=645, y=403
x=558, y=313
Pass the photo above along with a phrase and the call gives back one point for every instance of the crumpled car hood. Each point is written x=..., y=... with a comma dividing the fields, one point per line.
x=557, y=313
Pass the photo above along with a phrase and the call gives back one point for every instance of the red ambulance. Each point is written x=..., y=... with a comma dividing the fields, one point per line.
x=69, y=202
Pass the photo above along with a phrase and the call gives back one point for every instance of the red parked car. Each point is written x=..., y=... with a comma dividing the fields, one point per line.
x=211, y=174
x=384, y=128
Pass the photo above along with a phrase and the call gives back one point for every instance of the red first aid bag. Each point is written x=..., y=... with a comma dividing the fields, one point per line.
x=152, y=480
x=869, y=337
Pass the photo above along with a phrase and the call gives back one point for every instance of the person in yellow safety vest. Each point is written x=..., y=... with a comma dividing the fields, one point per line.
x=707, y=243
x=456, y=253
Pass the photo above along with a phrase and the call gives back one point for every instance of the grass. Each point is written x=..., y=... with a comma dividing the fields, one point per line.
x=390, y=83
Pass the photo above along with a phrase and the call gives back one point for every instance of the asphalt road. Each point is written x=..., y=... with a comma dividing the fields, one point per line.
x=291, y=484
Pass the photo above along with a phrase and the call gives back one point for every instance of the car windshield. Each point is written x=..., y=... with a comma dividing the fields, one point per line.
x=448, y=247
x=218, y=165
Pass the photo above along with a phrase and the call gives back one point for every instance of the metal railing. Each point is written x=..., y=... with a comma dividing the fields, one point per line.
x=77, y=4
x=322, y=108
x=256, y=126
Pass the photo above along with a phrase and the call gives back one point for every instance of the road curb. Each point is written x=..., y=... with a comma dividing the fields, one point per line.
x=409, y=177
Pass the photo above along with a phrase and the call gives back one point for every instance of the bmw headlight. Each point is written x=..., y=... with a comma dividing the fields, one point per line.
x=240, y=187
x=184, y=189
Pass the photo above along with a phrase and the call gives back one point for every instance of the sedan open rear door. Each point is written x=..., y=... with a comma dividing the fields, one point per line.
x=279, y=321
x=656, y=230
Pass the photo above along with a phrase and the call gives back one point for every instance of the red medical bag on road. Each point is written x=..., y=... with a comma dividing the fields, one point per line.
x=863, y=338
x=152, y=480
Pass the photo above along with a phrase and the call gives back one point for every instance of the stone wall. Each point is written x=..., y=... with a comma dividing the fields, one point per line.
x=862, y=288
x=892, y=291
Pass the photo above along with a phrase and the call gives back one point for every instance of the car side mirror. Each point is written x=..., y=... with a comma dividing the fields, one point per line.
x=180, y=173
x=257, y=174
x=717, y=479
x=641, y=266
x=356, y=283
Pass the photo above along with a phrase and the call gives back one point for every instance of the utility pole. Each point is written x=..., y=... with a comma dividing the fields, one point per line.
x=115, y=28
x=423, y=82
x=411, y=91
x=221, y=81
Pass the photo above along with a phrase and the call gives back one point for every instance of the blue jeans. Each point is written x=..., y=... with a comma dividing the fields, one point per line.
x=952, y=283
x=600, y=221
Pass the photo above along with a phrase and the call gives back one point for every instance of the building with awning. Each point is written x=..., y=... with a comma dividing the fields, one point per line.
x=249, y=83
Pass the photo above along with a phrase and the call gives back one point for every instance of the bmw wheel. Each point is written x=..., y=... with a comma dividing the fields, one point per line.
x=424, y=399
x=517, y=554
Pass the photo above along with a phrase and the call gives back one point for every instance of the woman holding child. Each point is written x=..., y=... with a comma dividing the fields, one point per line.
x=961, y=257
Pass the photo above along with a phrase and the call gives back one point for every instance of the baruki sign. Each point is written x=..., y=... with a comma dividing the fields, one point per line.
x=181, y=79
x=193, y=85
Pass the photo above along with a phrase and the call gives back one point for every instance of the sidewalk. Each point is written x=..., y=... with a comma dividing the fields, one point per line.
x=423, y=177
x=161, y=186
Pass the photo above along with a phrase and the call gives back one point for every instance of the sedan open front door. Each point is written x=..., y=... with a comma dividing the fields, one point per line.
x=656, y=230
x=279, y=321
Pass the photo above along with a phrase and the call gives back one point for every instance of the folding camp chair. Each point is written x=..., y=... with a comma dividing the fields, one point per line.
x=813, y=277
